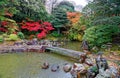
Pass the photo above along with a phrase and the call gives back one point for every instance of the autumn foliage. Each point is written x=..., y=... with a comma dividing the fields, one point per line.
x=73, y=16
x=9, y=26
x=8, y=14
x=42, y=27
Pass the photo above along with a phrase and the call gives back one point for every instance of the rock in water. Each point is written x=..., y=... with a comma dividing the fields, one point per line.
x=114, y=71
x=89, y=62
x=67, y=68
x=55, y=68
x=73, y=73
x=92, y=72
x=45, y=65
x=82, y=58
x=78, y=67
x=85, y=45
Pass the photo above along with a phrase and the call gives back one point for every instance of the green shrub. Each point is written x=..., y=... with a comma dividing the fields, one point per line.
x=21, y=35
x=1, y=39
x=114, y=20
x=13, y=37
x=5, y=35
x=75, y=36
x=99, y=35
x=55, y=34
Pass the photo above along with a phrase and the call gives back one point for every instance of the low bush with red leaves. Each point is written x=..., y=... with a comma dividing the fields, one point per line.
x=44, y=27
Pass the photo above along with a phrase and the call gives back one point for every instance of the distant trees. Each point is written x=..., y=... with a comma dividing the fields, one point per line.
x=7, y=25
x=98, y=9
x=102, y=19
x=24, y=10
x=50, y=4
x=33, y=9
x=73, y=17
x=66, y=5
x=60, y=14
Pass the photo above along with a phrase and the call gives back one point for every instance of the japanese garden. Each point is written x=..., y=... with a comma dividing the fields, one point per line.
x=59, y=39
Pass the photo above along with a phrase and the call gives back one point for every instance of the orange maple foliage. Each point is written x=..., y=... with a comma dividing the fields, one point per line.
x=74, y=16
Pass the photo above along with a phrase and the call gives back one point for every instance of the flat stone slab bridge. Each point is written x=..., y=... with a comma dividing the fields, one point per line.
x=66, y=52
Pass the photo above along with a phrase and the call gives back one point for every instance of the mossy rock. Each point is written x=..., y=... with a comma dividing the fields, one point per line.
x=1, y=39
x=13, y=37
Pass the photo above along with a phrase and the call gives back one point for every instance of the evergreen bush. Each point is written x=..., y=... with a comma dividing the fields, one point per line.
x=56, y=34
x=21, y=35
x=99, y=35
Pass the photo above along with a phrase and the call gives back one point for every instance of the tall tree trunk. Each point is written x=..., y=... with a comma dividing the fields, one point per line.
x=58, y=30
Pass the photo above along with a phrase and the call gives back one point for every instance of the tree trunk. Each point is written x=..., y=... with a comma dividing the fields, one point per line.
x=58, y=30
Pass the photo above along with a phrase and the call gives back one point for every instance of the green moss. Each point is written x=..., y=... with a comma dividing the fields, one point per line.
x=13, y=37
x=1, y=39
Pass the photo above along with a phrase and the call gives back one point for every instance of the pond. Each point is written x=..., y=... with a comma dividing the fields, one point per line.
x=74, y=45
x=28, y=65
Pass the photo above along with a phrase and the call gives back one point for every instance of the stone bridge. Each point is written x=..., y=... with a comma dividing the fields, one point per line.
x=66, y=52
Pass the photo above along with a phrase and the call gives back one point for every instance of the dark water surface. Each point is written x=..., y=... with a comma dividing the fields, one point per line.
x=28, y=65
x=74, y=45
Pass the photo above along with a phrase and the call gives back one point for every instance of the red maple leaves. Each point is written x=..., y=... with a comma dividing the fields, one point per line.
x=44, y=27
x=41, y=35
x=3, y=29
x=31, y=26
x=3, y=24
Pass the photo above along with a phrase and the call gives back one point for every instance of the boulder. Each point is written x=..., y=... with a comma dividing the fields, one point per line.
x=67, y=67
x=55, y=68
x=45, y=65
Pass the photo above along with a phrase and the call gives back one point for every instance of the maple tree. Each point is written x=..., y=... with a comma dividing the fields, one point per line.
x=9, y=26
x=73, y=16
x=39, y=27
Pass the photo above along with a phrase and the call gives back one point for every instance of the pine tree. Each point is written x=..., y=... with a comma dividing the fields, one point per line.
x=60, y=19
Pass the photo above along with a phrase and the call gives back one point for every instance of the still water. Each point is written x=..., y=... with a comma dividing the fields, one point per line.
x=28, y=65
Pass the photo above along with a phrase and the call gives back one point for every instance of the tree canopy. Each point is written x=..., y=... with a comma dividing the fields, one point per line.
x=60, y=14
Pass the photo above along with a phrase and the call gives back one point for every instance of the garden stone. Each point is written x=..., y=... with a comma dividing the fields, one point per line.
x=78, y=70
x=95, y=49
x=84, y=45
x=45, y=65
x=109, y=46
x=73, y=73
x=29, y=43
x=92, y=72
x=113, y=71
x=79, y=67
x=101, y=62
x=35, y=41
x=55, y=68
x=67, y=67
x=104, y=73
x=89, y=62
x=82, y=58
